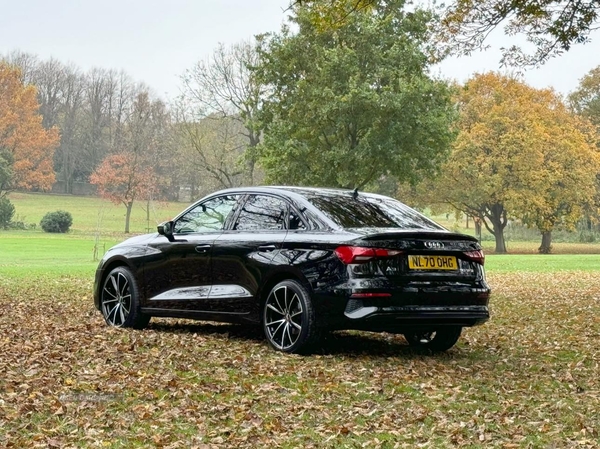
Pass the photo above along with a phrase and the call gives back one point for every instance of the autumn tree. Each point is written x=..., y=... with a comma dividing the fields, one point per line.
x=223, y=86
x=349, y=105
x=26, y=148
x=519, y=153
x=87, y=108
x=122, y=179
x=132, y=171
x=551, y=27
x=564, y=182
x=585, y=100
x=93, y=112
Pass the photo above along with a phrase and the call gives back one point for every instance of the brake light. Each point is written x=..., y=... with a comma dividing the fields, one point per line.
x=359, y=254
x=476, y=256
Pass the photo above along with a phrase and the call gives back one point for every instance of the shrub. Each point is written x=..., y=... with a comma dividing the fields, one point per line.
x=7, y=210
x=59, y=221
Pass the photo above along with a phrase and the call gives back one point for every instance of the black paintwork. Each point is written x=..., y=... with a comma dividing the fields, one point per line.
x=224, y=275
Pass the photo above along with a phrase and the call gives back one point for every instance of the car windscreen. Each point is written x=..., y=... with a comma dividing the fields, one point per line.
x=370, y=212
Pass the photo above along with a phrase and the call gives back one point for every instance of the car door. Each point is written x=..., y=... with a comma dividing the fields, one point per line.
x=242, y=255
x=179, y=276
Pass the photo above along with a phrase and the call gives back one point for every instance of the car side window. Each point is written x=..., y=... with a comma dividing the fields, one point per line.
x=209, y=216
x=262, y=213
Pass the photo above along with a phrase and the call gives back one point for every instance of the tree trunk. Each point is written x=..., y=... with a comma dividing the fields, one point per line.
x=546, y=246
x=477, y=228
x=129, y=206
x=498, y=219
x=500, y=243
x=148, y=215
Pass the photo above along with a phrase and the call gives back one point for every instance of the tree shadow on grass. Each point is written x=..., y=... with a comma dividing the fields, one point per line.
x=340, y=343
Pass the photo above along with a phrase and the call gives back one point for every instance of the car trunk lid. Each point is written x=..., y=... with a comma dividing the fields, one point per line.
x=415, y=255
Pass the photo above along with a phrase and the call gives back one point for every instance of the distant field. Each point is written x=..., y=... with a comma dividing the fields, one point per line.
x=541, y=263
x=91, y=213
x=531, y=248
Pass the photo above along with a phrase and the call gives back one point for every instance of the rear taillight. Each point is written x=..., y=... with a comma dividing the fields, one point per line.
x=359, y=254
x=475, y=256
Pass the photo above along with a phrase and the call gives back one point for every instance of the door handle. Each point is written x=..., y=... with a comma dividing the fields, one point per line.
x=267, y=247
x=202, y=248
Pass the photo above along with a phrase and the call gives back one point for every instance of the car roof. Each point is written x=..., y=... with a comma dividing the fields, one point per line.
x=302, y=191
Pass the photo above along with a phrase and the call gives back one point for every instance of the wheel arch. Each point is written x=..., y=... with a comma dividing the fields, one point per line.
x=111, y=265
x=275, y=278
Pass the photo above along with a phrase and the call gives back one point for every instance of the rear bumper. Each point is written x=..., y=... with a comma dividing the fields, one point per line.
x=401, y=319
x=406, y=309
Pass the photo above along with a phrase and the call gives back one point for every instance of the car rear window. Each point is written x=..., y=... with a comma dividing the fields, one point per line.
x=370, y=212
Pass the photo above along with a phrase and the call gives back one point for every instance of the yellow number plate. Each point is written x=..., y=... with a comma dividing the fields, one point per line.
x=432, y=263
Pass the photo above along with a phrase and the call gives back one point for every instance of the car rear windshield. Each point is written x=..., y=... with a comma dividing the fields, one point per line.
x=370, y=212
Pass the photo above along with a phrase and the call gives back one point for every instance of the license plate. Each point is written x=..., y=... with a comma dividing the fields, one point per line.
x=432, y=263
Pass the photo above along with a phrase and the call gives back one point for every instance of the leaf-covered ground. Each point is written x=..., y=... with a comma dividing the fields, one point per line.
x=528, y=378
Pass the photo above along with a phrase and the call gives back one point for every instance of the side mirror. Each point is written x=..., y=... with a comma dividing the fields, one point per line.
x=166, y=229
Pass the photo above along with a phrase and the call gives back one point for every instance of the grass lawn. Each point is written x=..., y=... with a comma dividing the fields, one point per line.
x=542, y=263
x=527, y=378
x=91, y=214
x=26, y=254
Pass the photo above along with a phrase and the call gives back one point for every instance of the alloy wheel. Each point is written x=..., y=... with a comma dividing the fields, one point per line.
x=116, y=299
x=283, y=317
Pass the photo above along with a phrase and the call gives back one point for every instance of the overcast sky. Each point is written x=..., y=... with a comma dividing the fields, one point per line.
x=156, y=41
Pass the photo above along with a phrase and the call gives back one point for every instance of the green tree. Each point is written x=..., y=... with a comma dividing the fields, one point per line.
x=551, y=26
x=7, y=210
x=519, y=152
x=349, y=105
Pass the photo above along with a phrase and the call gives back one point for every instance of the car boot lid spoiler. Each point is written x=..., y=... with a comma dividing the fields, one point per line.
x=381, y=234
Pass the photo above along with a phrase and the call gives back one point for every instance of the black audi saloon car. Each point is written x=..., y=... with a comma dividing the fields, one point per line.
x=298, y=262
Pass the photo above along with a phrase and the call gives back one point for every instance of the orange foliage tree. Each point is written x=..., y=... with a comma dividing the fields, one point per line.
x=122, y=178
x=519, y=153
x=26, y=148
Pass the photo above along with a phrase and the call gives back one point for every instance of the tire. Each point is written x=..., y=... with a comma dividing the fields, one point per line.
x=288, y=318
x=120, y=300
x=438, y=340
